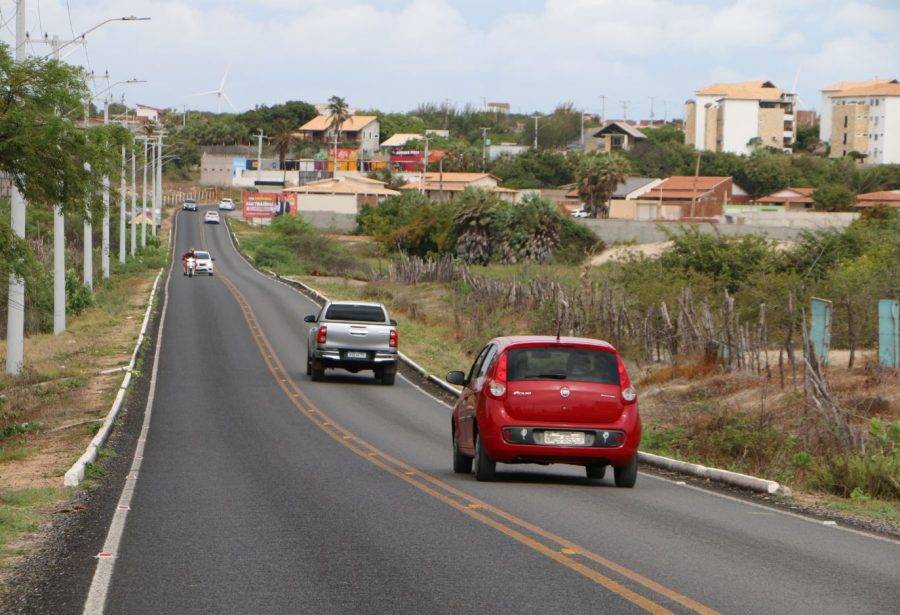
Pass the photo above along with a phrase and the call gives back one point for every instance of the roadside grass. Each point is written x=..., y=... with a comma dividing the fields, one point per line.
x=50, y=412
x=22, y=511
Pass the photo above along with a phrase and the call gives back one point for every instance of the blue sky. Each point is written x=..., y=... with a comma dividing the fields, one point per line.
x=396, y=54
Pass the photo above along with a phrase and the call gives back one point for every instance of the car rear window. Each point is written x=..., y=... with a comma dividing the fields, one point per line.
x=201, y=254
x=355, y=313
x=579, y=364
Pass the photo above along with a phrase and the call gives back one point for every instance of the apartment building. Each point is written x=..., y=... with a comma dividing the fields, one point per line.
x=828, y=93
x=866, y=120
x=739, y=117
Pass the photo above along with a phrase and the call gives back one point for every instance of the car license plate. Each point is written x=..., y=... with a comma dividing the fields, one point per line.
x=570, y=438
x=357, y=355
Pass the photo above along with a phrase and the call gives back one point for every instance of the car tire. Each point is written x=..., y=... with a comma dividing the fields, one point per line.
x=308, y=367
x=485, y=467
x=626, y=476
x=318, y=372
x=595, y=471
x=462, y=464
x=388, y=378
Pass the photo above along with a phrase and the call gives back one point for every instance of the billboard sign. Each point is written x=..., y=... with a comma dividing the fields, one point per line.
x=259, y=204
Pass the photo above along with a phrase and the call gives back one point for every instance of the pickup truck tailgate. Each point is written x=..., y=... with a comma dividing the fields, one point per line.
x=358, y=335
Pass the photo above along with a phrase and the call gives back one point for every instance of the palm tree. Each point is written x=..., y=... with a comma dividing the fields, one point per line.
x=598, y=175
x=339, y=111
x=283, y=140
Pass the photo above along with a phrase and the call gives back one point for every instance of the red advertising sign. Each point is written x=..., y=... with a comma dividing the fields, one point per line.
x=259, y=204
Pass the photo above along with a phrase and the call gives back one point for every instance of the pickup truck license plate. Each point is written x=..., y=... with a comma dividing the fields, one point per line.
x=356, y=355
x=572, y=438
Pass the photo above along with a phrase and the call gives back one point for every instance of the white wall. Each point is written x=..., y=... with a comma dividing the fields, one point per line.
x=370, y=137
x=825, y=118
x=890, y=143
x=700, y=123
x=334, y=203
x=740, y=123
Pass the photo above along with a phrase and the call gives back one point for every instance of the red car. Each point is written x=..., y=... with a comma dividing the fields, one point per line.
x=545, y=400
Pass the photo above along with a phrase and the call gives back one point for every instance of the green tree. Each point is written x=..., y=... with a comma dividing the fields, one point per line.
x=763, y=173
x=807, y=138
x=558, y=129
x=533, y=169
x=597, y=176
x=339, y=112
x=834, y=197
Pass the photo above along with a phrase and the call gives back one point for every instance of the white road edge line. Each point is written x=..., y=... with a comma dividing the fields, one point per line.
x=271, y=276
x=96, y=598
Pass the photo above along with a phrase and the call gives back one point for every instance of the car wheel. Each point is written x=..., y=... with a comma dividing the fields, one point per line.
x=462, y=464
x=388, y=378
x=308, y=367
x=318, y=372
x=485, y=467
x=626, y=476
x=595, y=470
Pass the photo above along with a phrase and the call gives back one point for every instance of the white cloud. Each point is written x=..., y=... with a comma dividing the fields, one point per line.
x=396, y=54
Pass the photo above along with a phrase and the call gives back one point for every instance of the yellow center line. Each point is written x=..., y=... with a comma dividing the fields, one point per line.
x=472, y=506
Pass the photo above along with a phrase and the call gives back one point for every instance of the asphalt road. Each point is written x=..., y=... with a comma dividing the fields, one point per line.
x=263, y=492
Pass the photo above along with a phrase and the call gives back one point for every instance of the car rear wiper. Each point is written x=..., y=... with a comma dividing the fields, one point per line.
x=556, y=376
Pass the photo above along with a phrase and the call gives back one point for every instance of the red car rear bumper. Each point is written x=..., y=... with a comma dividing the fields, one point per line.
x=494, y=419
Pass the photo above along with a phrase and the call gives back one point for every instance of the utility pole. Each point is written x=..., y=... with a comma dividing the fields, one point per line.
x=59, y=250
x=424, y=166
x=483, y=148
x=602, y=109
x=157, y=210
x=144, y=200
x=104, y=242
x=624, y=110
x=536, y=117
x=133, y=202
x=665, y=111
x=652, y=99
x=15, y=323
x=259, y=139
x=694, y=189
x=122, y=223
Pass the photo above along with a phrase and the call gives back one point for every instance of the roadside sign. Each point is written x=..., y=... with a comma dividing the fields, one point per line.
x=889, y=333
x=820, y=329
x=259, y=204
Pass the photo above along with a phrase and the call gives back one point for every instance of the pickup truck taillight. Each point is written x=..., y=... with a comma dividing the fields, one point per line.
x=321, y=334
x=394, y=338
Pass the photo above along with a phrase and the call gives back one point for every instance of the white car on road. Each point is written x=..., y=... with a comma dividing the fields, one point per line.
x=582, y=212
x=211, y=217
x=226, y=204
x=204, y=262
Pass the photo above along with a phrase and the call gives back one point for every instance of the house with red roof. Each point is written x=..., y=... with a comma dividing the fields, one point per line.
x=886, y=198
x=790, y=198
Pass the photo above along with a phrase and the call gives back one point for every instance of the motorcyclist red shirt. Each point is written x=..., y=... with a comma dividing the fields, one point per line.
x=187, y=255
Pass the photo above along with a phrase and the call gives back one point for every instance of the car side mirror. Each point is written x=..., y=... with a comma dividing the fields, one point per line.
x=393, y=322
x=457, y=377
x=212, y=259
x=309, y=318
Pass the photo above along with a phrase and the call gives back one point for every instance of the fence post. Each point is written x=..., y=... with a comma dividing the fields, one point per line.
x=820, y=328
x=889, y=333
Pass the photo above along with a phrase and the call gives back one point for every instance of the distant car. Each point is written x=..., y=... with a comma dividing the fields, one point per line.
x=204, y=263
x=583, y=212
x=189, y=205
x=544, y=400
x=354, y=336
x=226, y=204
x=211, y=217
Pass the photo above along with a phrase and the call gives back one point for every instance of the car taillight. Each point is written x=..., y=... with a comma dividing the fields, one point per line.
x=629, y=395
x=497, y=385
x=321, y=334
x=394, y=338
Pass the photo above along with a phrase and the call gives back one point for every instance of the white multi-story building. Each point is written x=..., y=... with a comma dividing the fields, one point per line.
x=866, y=120
x=828, y=93
x=739, y=117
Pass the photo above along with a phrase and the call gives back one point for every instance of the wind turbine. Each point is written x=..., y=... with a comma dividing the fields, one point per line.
x=220, y=93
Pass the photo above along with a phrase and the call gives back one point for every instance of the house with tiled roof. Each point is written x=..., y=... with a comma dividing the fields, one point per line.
x=865, y=122
x=739, y=117
x=447, y=186
x=617, y=136
x=789, y=198
x=688, y=197
x=363, y=130
x=885, y=198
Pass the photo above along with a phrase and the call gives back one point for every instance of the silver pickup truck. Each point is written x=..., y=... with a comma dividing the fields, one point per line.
x=353, y=336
